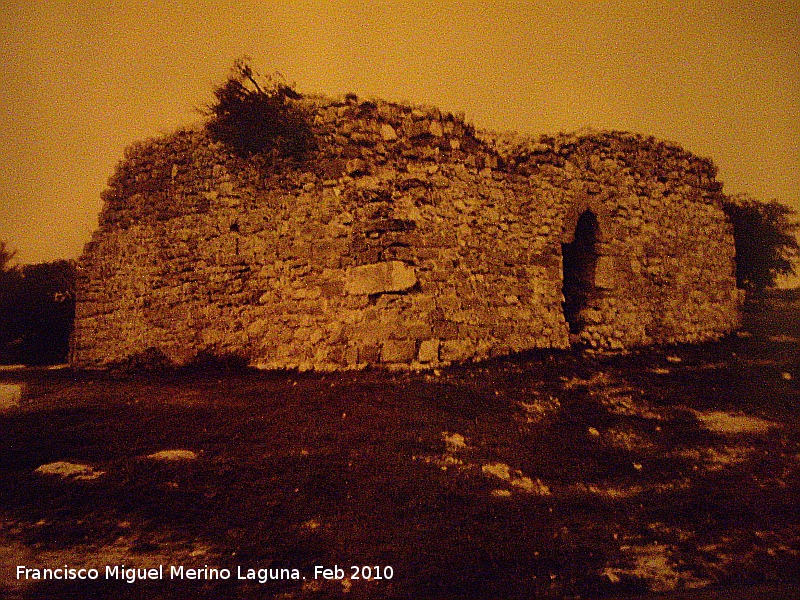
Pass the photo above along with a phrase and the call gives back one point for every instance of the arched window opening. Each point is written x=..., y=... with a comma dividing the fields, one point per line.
x=579, y=262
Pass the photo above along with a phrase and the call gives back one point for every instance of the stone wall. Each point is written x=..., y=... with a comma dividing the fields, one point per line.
x=407, y=240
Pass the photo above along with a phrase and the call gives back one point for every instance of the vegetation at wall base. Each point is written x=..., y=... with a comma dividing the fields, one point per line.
x=259, y=117
x=766, y=246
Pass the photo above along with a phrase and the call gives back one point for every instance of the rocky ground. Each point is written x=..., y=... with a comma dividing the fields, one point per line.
x=667, y=472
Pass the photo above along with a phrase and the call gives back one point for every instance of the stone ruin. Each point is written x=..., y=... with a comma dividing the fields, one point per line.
x=406, y=240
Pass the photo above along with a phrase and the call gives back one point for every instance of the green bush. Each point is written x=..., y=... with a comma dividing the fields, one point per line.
x=37, y=310
x=253, y=118
x=10, y=286
x=765, y=243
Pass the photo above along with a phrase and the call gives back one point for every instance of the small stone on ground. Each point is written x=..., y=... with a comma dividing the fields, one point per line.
x=725, y=423
x=10, y=394
x=66, y=470
x=173, y=455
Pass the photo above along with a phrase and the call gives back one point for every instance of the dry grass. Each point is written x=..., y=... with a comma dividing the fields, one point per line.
x=548, y=475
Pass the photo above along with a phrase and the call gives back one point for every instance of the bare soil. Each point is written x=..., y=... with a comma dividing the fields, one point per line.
x=668, y=472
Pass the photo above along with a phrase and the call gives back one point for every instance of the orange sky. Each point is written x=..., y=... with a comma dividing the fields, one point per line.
x=82, y=80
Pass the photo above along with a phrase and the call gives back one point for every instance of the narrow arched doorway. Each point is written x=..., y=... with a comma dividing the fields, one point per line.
x=579, y=264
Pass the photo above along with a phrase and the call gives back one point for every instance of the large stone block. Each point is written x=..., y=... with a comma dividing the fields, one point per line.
x=369, y=353
x=456, y=350
x=605, y=273
x=398, y=351
x=378, y=278
x=388, y=133
x=428, y=351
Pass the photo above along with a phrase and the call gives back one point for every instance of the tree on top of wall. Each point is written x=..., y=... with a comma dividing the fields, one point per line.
x=766, y=246
x=254, y=114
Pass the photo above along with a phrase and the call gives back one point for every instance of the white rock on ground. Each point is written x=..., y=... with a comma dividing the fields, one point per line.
x=454, y=441
x=10, y=394
x=173, y=455
x=65, y=470
x=516, y=478
x=726, y=423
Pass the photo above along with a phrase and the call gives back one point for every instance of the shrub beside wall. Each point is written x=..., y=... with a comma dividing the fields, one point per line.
x=37, y=309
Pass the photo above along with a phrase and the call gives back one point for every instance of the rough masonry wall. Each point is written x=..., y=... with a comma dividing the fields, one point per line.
x=666, y=269
x=405, y=241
